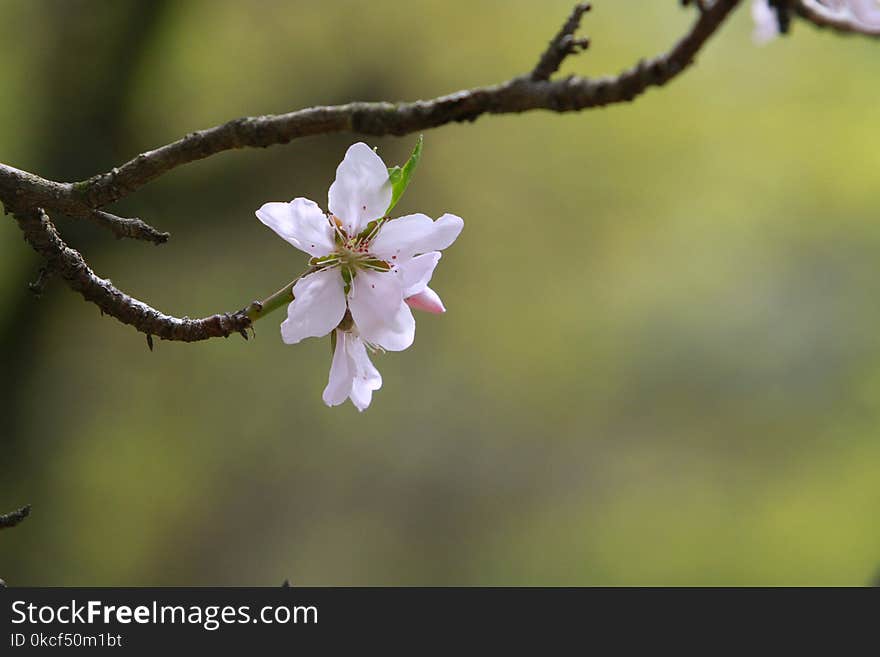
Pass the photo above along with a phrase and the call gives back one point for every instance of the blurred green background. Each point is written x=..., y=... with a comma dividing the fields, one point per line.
x=660, y=362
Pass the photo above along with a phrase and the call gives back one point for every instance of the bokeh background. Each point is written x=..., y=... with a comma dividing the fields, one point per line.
x=661, y=360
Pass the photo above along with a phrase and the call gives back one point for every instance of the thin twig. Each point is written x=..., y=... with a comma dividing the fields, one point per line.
x=562, y=45
x=41, y=234
x=13, y=518
x=20, y=189
x=133, y=228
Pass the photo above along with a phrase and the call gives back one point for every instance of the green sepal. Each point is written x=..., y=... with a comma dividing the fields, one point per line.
x=365, y=233
x=347, y=275
x=317, y=262
x=376, y=264
x=400, y=176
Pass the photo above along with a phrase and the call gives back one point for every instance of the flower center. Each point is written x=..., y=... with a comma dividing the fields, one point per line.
x=352, y=253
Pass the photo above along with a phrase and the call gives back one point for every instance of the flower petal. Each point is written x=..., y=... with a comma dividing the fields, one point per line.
x=317, y=307
x=445, y=231
x=399, y=239
x=378, y=310
x=866, y=12
x=766, y=25
x=415, y=273
x=366, y=377
x=362, y=190
x=404, y=237
x=426, y=300
x=300, y=222
x=341, y=375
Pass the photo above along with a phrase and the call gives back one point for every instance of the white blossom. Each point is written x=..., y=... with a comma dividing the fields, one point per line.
x=364, y=266
x=862, y=14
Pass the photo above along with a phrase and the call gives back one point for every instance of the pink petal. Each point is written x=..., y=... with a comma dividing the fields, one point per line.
x=426, y=300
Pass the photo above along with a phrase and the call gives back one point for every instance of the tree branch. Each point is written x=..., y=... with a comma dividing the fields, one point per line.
x=20, y=189
x=520, y=94
x=562, y=45
x=133, y=228
x=14, y=517
x=11, y=519
x=27, y=195
x=40, y=233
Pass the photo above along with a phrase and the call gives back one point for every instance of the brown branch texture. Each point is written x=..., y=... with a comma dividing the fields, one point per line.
x=31, y=199
x=13, y=518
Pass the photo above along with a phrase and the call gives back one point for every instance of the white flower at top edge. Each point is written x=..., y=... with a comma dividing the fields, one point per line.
x=864, y=14
x=364, y=264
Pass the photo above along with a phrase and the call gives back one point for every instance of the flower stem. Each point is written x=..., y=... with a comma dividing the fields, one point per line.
x=259, y=309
